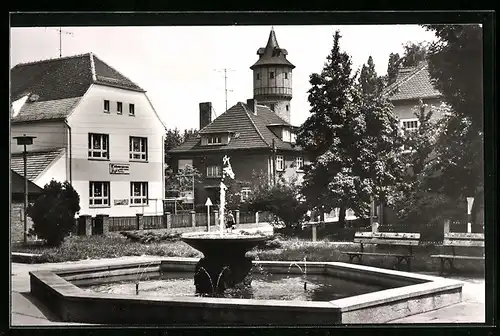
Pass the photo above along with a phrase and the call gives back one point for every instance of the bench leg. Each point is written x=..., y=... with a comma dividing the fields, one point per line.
x=441, y=271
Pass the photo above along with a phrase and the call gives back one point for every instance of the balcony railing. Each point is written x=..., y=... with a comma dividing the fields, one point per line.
x=284, y=91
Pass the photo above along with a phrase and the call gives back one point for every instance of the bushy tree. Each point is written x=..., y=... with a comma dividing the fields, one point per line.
x=414, y=53
x=282, y=200
x=456, y=67
x=53, y=212
x=392, y=68
x=352, y=139
x=184, y=180
x=370, y=82
x=414, y=200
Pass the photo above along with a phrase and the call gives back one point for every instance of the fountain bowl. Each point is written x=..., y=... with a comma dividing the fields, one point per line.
x=212, y=243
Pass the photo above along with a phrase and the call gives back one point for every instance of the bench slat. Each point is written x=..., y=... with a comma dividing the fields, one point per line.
x=378, y=254
x=466, y=243
x=464, y=235
x=387, y=241
x=444, y=256
x=389, y=235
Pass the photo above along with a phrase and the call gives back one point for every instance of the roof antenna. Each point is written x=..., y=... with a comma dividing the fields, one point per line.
x=61, y=31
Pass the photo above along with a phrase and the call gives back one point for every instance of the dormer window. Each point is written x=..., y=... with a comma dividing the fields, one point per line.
x=286, y=135
x=214, y=140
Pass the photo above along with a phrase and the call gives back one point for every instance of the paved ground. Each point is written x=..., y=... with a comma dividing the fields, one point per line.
x=26, y=310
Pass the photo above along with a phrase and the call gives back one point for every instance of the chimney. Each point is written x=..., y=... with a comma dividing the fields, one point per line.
x=252, y=105
x=205, y=114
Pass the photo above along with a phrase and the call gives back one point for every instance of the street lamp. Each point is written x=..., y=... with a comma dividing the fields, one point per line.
x=25, y=141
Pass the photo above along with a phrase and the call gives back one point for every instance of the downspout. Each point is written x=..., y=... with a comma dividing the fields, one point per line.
x=70, y=153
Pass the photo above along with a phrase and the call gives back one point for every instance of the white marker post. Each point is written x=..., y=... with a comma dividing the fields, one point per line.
x=470, y=201
x=208, y=204
x=221, y=207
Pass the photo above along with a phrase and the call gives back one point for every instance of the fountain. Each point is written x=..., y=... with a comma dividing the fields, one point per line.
x=230, y=268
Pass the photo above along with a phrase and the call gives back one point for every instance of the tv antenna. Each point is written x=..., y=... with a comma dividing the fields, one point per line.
x=61, y=32
x=225, y=70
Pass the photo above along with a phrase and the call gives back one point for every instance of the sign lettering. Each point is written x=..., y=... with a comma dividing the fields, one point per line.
x=119, y=168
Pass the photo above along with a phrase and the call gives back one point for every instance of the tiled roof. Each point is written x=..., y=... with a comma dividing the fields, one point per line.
x=37, y=162
x=412, y=83
x=17, y=185
x=56, y=85
x=253, y=131
x=272, y=54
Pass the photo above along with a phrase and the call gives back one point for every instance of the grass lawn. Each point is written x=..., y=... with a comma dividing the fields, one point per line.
x=115, y=245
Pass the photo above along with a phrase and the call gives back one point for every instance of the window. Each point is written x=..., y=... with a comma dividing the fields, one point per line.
x=258, y=76
x=98, y=146
x=410, y=124
x=138, y=193
x=299, y=161
x=138, y=149
x=214, y=171
x=99, y=194
x=271, y=75
x=287, y=108
x=272, y=106
x=131, y=109
x=245, y=194
x=106, y=106
x=214, y=140
x=119, y=107
x=286, y=75
x=280, y=163
x=286, y=135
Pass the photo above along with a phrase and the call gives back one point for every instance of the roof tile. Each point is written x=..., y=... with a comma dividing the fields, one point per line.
x=37, y=162
x=17, y=185
x=412, y=83
x=59, y=84
x=253, y=130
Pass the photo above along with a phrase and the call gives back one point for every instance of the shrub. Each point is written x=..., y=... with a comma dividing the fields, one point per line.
x=53, y=213
x=148, y=237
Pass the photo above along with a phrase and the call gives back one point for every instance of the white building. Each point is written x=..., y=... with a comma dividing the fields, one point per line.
x=95, y=128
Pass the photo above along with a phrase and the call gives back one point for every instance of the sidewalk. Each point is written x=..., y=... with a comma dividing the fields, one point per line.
x=26, y=311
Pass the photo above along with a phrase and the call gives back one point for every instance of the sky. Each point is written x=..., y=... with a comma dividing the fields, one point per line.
x=180, y=67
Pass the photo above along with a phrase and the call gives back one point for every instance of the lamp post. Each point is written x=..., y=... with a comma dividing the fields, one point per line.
x=25, y=141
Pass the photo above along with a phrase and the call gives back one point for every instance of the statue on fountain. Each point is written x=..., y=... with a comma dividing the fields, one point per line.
x=224, y=263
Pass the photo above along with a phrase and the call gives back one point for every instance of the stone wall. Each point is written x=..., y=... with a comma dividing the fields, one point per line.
x=16, y=221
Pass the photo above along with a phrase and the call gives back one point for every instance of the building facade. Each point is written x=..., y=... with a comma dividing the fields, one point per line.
x=256, y=135
x=95, y=128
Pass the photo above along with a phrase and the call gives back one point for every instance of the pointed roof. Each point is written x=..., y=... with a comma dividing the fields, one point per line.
x=412, y=83
x=272, y=54
x=55, y=86
x=249, y=130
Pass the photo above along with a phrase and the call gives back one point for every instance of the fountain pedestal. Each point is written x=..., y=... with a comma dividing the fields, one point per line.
x=224, y=264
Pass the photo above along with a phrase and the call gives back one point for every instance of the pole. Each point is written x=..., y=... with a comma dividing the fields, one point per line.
x=274, y=163
x=60, y=42
x=208, y=218
x=25, y=159
x=225, y=85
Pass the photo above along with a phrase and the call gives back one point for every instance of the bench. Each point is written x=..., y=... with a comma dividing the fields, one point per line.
x=456, y=239
x=386, y=238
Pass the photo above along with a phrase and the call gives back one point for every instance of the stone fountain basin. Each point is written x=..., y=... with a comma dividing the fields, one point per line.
x=413, y=294
x=210, y=243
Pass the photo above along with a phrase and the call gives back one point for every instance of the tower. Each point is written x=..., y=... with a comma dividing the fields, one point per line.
x=272, y=78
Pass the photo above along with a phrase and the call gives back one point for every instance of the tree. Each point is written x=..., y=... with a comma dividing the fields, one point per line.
x=414, y=53
x=455, y=67
x=53, y=213
x=352, y=139
x=370, y=83
x=184, y=180
x=283, y=201
x=392, y=68
x=413, y=200
x=189, y=134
